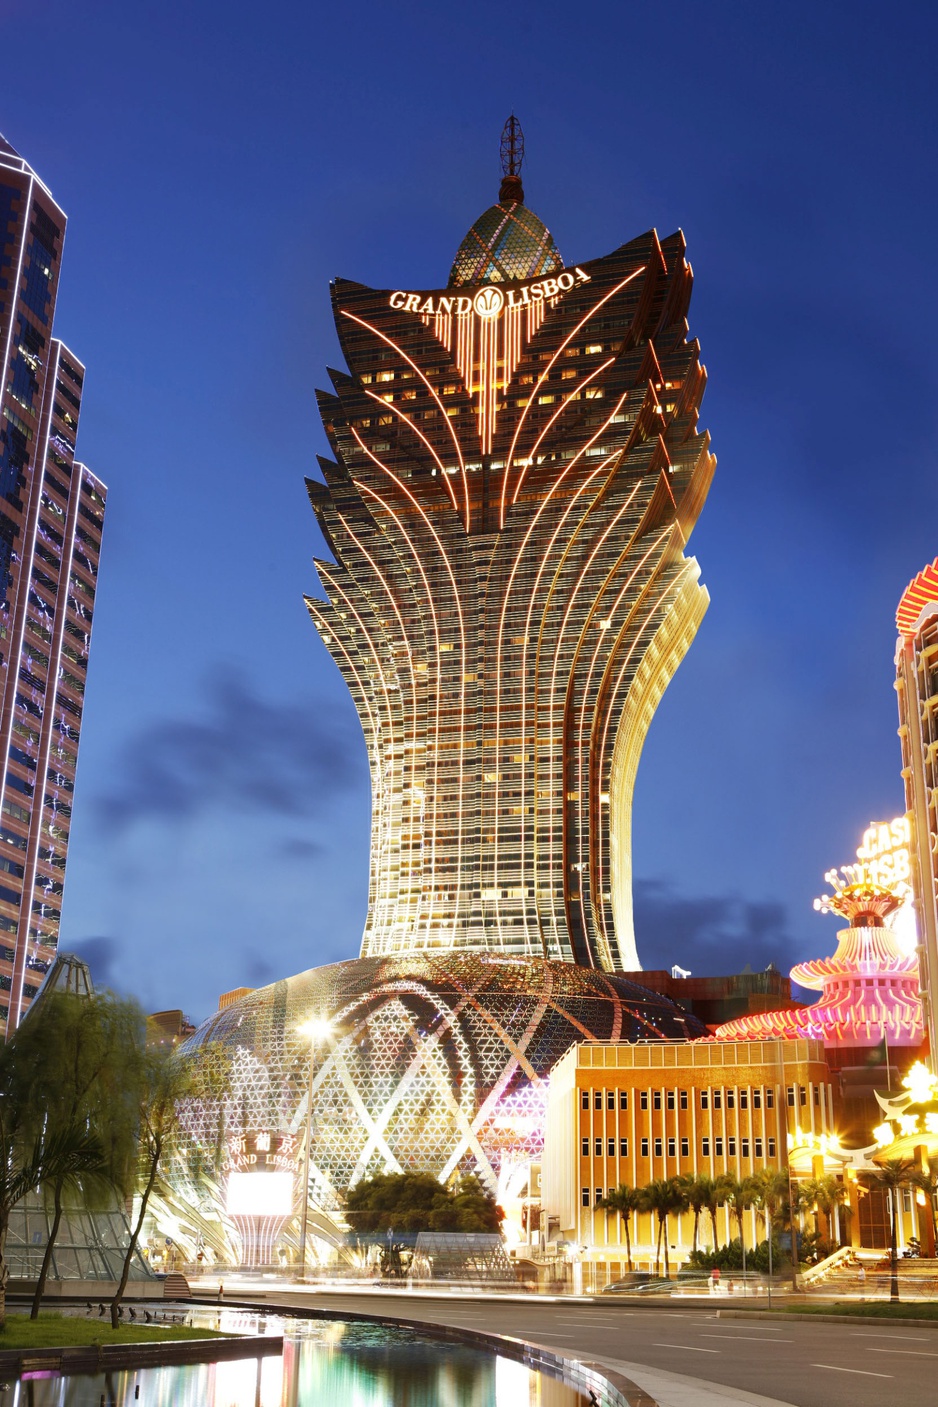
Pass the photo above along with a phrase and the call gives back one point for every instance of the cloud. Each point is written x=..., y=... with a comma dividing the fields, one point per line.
x=713, y=936
x=245, y=753
x=298, y=848
x=101, y=956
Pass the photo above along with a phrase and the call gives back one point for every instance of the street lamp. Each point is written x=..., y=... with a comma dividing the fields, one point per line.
x=315, y=1030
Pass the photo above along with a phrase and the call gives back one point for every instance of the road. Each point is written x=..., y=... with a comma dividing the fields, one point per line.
x=791, y=1360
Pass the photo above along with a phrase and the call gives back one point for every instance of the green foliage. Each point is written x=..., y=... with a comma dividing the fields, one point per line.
x=410, y=1202
x=875, y=1309
x=730, y=1257
x=64, y=1331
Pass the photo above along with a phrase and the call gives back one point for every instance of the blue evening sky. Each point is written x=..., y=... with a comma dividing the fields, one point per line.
x=219, y=163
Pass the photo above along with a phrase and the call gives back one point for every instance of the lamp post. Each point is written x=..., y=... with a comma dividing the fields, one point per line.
x=314, y=1031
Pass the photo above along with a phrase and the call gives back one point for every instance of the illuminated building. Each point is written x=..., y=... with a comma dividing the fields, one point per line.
x=517, y=470
x=917, y=687
x=870, y=987
x=630, y=1114
x=434, y=1063
x=51, y=518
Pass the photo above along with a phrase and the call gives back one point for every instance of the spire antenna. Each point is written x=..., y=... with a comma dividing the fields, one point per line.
x=512, y=156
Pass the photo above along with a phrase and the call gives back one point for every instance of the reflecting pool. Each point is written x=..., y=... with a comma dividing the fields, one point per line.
x=325, y=1363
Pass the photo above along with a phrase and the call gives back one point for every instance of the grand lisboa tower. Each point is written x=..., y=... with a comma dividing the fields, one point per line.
x=516, y=468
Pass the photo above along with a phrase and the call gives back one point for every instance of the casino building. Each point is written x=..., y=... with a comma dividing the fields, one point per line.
x=516, y=470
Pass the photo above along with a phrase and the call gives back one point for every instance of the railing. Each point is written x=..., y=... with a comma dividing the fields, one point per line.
x=816, y=1273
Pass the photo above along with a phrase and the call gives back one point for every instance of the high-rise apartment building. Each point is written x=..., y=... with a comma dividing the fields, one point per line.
x=917, y=687
x=51, y=517
x=517, y=469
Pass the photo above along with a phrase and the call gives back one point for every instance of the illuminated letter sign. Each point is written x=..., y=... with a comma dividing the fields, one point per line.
x=490, y=300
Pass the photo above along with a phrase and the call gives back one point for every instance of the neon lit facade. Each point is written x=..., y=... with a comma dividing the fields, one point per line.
x=517, y=469
x=870, y=987
x=51, y=519
x=434, y=1063
x=917, y=689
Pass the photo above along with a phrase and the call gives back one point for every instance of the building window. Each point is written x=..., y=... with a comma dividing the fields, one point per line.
x=731, y=1099
x=586, y=1148
x=718, y=1147
x=644, y=1147
x=670, y=1098
x=599, y=1148
x=612, y=1148
x=744, y=1147
x=758, y=1147
x=817, y=1094
x=585, y=1099
x=771, y=1147
x=598, y=1099
x=599, y=1196
x=705, y=1147
x=731, y=1142
x=757, y=1099
x=717, y=1099
x=704, y=1099
x=685, y=1147
x=683, y=1098
x=770, y=1099
x=623, y=1099
x=672, y=1148
x=623, y=1147
x=743, y=1099
x=803, y=1094
x=611, y=1099
x=657, y=1147
x=643, y=1099
x=791, y=1096
x=656, y=1099
x=585, y=1196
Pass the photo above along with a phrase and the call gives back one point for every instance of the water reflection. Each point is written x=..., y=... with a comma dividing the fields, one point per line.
x=324, y=1364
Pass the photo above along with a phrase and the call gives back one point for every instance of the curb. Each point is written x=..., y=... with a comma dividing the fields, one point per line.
x=603, y=1386
x=96, y=1358
x=782, y=1318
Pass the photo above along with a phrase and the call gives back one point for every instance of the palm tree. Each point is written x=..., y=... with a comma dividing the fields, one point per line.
x=891, y=1175
x=703, y=1193
x=822, y=1195
x=625, y=1200
x=661, y=1198
x=740, y=1195
x=773, y=1198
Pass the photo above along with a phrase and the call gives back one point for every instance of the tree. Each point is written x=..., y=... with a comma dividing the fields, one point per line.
x=26, y=1160
x=821, y=1196
x=739, y=1195
x=892, y=1175
x=75, y=1058
x=703, y=1194
x=625, y=1200
x=166, y=1085
x=412, y=1202
x=773, y=1198
x=661, y=1198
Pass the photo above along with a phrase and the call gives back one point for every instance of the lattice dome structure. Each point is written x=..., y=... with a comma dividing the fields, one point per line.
x=508, y=241
x=432, y=1063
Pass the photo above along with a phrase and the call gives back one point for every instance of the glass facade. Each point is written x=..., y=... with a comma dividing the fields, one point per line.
x=517, y=469
x=433, y=1063
x=51, y=519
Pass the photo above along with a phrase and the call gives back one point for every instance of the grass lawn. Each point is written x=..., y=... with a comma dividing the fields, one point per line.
x=873, y=1309
x=66, y=1331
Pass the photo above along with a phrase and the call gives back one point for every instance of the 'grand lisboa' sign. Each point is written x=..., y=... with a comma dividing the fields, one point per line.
x=489, y=301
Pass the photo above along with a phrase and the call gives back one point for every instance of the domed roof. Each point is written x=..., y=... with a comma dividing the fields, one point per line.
x=507, y=242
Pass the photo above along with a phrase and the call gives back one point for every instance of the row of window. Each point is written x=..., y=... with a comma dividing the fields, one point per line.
x=656, y=1099
x=609, y=1146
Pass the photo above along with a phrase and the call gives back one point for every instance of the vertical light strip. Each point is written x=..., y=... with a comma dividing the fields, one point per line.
x=546, y=372
x=388, y=341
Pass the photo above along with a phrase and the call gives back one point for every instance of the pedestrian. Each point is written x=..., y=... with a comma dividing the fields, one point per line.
x=221, y=1290
x=861, y=1280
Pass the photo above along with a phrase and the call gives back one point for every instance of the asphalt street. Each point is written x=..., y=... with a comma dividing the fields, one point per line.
x=808, y=1364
